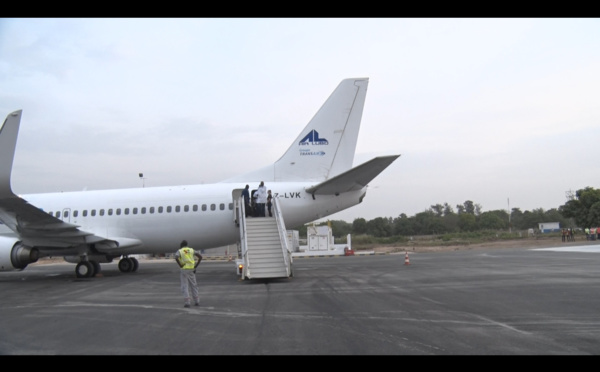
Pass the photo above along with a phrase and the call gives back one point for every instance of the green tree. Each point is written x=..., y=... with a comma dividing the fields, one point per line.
x=516, y=219
x=380, y=227
x=404, y=225
x=438, y=210
x=469, y=207
x=493, y=220
x=427, y=223
x=594, y=215
x=451, y=222
x=359, y=226
x=553, y=215
x=531, y=220
x=582, y=209
x=448, y=209
x=467, y=222
x=340, y=228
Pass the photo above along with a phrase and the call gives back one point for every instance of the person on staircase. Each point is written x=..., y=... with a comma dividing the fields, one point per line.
x=269, y=203
x=261, y=198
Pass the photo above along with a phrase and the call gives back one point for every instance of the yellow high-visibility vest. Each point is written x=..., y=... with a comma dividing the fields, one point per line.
x=186, y=257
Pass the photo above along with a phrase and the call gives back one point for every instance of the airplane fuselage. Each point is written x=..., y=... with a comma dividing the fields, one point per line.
x=160, y=217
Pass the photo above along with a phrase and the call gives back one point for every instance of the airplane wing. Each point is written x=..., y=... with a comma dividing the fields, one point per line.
x=36, y=227
x=33, y=226
x=353, y=179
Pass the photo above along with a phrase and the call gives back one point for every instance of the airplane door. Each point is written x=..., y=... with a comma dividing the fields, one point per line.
x=236, y=194
x=66, y=215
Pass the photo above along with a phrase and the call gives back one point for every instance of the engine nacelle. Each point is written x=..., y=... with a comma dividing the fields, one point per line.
x=14, y=255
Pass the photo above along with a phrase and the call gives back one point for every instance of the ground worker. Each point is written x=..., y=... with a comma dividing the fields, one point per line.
x=587, y=233
x=186, y=259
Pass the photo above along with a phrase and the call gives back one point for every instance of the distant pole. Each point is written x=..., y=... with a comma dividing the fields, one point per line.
x=142, y=178
x=509, y=227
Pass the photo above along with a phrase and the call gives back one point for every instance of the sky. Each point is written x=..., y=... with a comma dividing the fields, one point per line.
x=504, y=112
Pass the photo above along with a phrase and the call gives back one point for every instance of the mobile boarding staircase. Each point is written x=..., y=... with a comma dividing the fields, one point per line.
x=263, y=249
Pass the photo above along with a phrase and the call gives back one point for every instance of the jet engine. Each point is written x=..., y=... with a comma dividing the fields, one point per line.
x=14, y=255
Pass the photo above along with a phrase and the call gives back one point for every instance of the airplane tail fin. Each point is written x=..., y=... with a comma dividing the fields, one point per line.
x=8, y=143
x=325, y=148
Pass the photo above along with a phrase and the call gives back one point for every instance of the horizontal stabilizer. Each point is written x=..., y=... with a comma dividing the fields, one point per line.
x=354, y=179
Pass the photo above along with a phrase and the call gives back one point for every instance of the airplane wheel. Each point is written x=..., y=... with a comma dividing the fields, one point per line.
x=84, y=269
x=126, y=265
x=97, y=267
x=136, y=264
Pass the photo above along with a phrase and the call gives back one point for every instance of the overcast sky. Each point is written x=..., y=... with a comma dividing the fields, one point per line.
x=503, y=112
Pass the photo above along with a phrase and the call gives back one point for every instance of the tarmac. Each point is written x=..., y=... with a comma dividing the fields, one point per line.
x=516, y=301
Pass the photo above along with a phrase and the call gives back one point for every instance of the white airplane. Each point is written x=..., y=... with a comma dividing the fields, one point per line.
x=313, y=179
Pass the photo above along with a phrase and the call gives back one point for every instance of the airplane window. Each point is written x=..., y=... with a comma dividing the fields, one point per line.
x=230, y=206
x=85, y=213
x=93, y=212
x=186, y=208
x=177, y=209
x=169, y=209
x=160, y=209
x=135, y=210
x=118, y=211
x=195, y=208
x=110, y=211
x=151, y=209
x=213, y=207
x=126, y=211
x=57, y=214
x=75, y=213
x=102, y=212
x=203, y=207
x=143, y=210
x=222, y=206
x=66, y=214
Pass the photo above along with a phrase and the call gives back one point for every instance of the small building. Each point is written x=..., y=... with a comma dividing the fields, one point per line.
x=320, y=241
x=320, y=238
x=546, y=227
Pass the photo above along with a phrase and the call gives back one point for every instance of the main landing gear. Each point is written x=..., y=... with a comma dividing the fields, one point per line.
x=89, y=269
x=128, y=264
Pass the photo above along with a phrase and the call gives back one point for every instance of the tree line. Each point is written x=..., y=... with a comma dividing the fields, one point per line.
x=580, y=211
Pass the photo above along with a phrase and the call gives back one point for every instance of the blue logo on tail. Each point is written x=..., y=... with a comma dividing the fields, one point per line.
x=312, y=138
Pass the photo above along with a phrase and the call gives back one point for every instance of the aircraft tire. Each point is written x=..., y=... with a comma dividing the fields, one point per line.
x=97, y=267
x=126, y=265
x=85, y=269
x=136, y=264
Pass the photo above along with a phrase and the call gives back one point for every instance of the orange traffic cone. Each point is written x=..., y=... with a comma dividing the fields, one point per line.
x=406, y=261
